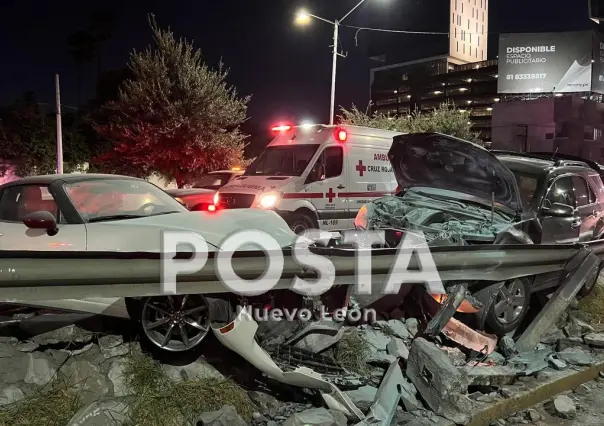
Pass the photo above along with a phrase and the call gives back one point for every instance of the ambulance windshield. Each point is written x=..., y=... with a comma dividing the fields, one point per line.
x=282, y=160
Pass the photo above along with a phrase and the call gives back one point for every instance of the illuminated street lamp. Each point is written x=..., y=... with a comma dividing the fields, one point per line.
x=304, y=18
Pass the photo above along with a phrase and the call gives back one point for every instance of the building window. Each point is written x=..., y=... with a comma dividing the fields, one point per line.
x=468, y=24
x=457, y=47
x=476, y=26
x=470, y=37
x=453, y=18
x=462, y=8
x=456, y=5
x=476, y=54
x=464, y=48
x=483, y=28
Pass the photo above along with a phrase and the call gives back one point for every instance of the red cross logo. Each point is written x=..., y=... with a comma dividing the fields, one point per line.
x=331, y=195
x=360, y=168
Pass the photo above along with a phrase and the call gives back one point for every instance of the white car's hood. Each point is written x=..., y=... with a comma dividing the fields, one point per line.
x=144, y=234
x=256, y=184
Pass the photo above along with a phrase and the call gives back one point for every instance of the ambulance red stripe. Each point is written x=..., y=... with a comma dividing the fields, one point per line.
x=298, y=195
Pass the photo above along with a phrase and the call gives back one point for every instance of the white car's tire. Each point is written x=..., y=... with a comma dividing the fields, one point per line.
x=175, y=323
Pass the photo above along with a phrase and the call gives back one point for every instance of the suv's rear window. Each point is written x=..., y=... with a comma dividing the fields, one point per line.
x=527, y=184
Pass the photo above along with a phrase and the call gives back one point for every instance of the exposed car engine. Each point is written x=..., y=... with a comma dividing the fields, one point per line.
x=442, y=222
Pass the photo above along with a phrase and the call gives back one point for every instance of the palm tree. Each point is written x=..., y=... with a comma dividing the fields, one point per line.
x=83, y=48
x=102, y=26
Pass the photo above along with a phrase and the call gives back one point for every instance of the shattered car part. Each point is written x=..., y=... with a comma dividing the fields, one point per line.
x=584, y=265
x=477, y=341
x=318, y=336
x=387, y=398
x=288, y=358
x=239, y=336
x=454, y=300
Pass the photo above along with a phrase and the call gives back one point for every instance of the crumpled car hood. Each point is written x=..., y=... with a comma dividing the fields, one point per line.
x=440, y=222
x=434, y=160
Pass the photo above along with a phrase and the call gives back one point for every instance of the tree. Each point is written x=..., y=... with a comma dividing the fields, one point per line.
x=86, y=45
x=82, y=47
x=445, y=119
x=28, y=139
x=176, y=116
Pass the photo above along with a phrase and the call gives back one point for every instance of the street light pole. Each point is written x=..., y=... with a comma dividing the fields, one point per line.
x=333, y=73
x=303, y=17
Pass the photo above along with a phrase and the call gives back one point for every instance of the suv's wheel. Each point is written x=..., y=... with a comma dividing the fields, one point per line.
x=300, y=222
x=175, y=323
x=590, y=284
x=510, y=306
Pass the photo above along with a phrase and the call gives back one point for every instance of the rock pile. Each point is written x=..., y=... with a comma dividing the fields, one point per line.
x=443, y=383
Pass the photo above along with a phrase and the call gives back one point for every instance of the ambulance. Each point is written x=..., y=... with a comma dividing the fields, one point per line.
x=315, y=176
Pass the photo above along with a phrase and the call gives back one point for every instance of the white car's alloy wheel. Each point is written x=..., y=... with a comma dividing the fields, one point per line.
x=176, y=323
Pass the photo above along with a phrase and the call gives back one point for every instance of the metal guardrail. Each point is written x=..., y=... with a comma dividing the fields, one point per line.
x=36, y=275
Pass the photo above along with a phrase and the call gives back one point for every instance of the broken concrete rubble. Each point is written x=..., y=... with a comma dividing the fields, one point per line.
x=397, y=348
x=584, y=264
x=595, y=340
x=440, y=383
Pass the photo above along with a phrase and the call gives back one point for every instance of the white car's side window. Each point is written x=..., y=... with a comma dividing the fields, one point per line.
x=16, y=202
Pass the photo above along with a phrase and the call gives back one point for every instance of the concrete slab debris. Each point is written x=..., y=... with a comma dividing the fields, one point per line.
x=556, y=362
x=397, y=348
x=439, y=382
x=317, y=417
x=595, y=339
x=576, y=356
x=546, y=319
x=491, y=375
x=388, y=396
x=397, y=327
x=363, y=397
x=226, y=416
x=562, y=406
x=412, y=325
x=575, y=327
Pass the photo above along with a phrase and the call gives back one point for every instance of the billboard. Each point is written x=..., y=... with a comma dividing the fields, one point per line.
x=545, y=62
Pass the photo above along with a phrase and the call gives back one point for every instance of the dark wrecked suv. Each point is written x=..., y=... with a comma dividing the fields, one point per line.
x=458, y=193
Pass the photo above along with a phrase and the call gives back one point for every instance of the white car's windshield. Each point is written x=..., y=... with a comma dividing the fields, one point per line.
x=114, y=199
x=212, y=180
x=283, y=160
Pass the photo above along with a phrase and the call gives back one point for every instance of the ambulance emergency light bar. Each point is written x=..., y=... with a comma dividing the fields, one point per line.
x=340, y=134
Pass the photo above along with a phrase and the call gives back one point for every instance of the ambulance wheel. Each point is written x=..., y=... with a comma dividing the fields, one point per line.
x=300, y=222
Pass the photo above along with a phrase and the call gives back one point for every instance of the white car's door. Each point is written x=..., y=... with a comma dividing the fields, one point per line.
x=18, y=201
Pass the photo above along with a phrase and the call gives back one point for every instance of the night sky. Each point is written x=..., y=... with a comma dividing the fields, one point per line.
x=286, y=68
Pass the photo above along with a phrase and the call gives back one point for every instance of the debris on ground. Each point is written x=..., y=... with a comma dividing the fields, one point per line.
x=391, y=370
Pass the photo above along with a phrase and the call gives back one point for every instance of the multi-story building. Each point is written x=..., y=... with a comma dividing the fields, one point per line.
x=459, y=72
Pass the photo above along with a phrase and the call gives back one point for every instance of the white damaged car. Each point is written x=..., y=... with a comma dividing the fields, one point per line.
x=96, y=212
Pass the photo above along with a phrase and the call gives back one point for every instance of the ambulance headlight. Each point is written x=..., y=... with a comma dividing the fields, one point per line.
x=269, y=200
x=363, y=217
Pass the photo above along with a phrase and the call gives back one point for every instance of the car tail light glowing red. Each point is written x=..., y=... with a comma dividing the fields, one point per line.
x=341, y=135
x=211, y=208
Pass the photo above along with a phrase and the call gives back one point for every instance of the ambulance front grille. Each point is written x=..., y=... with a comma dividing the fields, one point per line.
x=236, y=201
